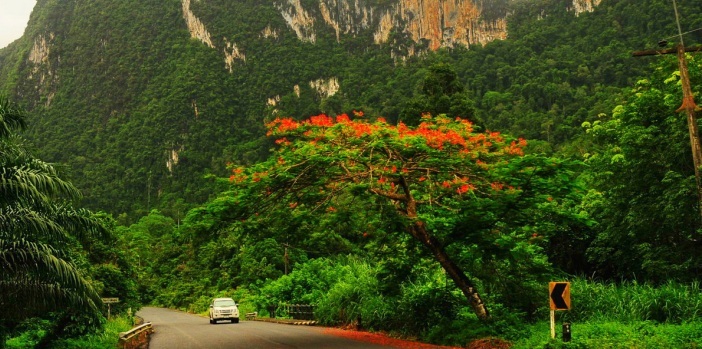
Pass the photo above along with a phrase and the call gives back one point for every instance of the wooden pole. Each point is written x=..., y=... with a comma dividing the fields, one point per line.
x=689, y=106
x=553, y=324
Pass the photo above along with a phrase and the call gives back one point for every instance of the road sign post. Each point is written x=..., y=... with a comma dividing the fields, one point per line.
x=109, y=301
x=559, y=297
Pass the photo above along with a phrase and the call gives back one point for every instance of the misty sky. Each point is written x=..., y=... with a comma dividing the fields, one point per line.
x=14, y=15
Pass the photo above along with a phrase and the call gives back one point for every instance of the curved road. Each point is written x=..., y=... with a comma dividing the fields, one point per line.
x=179, y=330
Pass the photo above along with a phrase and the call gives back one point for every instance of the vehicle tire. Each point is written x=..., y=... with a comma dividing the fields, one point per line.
x=235, y=321
x=212, y=322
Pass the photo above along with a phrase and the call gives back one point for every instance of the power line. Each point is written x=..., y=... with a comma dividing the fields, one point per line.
x=685, y=33
x=677, y=20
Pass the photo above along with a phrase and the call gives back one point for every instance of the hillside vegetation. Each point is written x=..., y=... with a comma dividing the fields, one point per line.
x=120, y=93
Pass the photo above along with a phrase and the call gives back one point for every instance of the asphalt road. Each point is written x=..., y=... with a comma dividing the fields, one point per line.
x=179, y=330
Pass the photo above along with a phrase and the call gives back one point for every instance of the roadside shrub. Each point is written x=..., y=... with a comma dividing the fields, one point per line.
x=466, y=328
x=28, y=333
x=426, y=303
x=355, y=298
x=344, y=290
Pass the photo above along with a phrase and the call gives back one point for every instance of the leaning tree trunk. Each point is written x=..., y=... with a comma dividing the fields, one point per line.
x=407, y=205
x=419, y=232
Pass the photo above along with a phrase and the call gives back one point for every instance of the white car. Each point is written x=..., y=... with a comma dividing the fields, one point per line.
x=223, y=309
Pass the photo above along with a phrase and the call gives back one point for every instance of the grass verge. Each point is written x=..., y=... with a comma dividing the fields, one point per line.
x=107, y=339
x=614, y=335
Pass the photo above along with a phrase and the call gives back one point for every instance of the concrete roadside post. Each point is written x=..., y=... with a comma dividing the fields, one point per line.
x=566, y=332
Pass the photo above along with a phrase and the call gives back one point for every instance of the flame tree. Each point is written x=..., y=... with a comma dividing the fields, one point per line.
x=447, y=182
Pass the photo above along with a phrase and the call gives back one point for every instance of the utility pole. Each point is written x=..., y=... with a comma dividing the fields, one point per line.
x=688, y=102
x=286, y=259
x=148, y=193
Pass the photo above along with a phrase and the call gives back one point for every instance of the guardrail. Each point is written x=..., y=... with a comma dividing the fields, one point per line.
x=136, y=338
x=251, y=316
x=300, y=311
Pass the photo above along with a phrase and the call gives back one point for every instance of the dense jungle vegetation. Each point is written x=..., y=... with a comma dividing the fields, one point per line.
x=433, y=196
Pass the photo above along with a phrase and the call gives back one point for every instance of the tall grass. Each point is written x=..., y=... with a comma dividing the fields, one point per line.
x=631, y=301
x=624, y=315
x=617, y=335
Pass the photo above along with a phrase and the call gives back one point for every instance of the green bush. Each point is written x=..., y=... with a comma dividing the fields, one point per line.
x=343, y=290
x=355, y=297
x=426, y=303
x=347, y=291
x=504, y=324
x=29, y=333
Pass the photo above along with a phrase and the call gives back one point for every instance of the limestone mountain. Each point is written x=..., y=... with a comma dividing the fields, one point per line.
x=140, y=101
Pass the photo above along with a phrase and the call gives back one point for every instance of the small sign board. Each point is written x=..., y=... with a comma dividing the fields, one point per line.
x=559, y=295
x=110, y=300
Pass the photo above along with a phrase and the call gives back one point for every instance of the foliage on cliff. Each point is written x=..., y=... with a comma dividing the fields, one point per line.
x=121, y=93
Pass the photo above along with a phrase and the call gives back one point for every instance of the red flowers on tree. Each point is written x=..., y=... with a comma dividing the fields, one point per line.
x=426, y=173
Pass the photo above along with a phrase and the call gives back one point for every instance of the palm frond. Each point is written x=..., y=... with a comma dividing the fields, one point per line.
x=23, y=299
x=20, y=222
x=12, y=118
x=79, y=222
x=23, y=183
x=34, y=278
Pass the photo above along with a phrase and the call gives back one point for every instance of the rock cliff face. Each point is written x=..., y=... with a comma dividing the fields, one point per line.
x=231, y=52
x=325, y=88
x=442, y=23
x=428, y=24
x=439, y=23
x=580, y=6
x=199, y=31
x=42, y=72
x=298, y=19
x=196, y=27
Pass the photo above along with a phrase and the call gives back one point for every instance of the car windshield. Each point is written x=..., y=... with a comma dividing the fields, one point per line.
x=224, y=303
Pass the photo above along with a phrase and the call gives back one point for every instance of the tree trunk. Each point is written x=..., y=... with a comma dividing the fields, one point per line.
x=419, y=232
x=3, y=334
